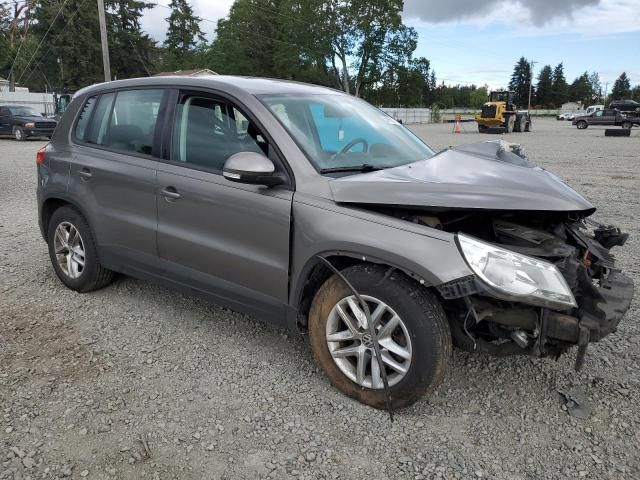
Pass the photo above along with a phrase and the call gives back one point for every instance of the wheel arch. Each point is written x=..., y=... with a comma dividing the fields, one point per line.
x=49, y=206
x=315, y=273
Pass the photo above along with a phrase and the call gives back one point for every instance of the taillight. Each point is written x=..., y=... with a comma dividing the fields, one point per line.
x=41, y=155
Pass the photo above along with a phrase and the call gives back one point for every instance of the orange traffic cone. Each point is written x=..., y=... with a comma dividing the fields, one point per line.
x=457, y=128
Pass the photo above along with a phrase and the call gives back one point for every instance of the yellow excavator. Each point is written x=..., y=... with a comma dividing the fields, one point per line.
x=499, y=114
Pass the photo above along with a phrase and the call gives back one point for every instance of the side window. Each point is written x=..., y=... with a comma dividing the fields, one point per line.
x=100, y=121
x=83, y=119
x=133, y=121
x=207, y=131
x=598, y=113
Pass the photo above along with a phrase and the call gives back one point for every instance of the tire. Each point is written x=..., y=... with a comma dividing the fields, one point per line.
x=482, y=129
x=422, y=320
x=520, y=124
x=92, y=275
x=18, y=133
x=627, y=125
x=509, y=123
x=582, y=125
x=527, y=127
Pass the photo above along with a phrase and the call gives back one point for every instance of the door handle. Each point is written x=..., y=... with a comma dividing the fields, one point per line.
x=170, y=194
x=85, y=174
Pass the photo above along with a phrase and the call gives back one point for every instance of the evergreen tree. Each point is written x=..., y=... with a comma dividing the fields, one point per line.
x=520, y=82
x=635, y=93
x=544, y=89
x=581, y=90
x=560, y=87
x=621, y=88
x=132, y=52
x=183, y=36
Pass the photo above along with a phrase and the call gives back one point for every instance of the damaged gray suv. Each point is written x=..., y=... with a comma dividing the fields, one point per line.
x=313, y=210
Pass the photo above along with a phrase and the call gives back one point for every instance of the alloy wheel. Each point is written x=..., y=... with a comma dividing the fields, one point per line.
x=351, y=346
x=69, y=250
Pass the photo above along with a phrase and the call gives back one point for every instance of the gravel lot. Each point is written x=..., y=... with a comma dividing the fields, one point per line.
x=135, y=381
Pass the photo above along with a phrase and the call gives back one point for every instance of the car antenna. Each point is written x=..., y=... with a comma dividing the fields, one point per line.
x=372, y=332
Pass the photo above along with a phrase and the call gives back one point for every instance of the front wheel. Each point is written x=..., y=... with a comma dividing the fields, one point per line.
x=581, y=125
x=73, y=252
x=18, y=133
x=509, y=123
x=412, y=329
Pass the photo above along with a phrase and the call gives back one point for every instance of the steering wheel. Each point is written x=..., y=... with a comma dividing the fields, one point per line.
x=350, y=145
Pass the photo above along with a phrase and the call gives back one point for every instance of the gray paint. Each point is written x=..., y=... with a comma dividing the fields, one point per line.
x=251, y=247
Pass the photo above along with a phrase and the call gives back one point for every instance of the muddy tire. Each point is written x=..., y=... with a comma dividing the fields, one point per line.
x=73, y=253
x=422, y=330
x=627, y=125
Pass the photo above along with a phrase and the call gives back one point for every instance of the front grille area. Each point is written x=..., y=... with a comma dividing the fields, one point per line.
x=45, y=125
x=488, y=111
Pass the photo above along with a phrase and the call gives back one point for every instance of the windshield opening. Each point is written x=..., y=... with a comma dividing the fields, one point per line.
x=25, y=111
x=340, y=132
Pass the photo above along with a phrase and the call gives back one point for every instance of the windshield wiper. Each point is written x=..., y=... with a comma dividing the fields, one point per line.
x=365, y=167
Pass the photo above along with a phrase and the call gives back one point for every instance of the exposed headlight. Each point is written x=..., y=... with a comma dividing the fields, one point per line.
x=516, y=277
x=30, y=125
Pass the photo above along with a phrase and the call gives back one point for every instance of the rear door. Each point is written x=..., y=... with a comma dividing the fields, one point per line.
x=227, y=239
x=609, y=117
x=113, y=173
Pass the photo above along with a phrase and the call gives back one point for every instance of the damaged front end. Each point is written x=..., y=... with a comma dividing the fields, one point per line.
x=486, y=320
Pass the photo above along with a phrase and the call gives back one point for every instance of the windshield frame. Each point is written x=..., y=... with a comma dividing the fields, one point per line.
x=263, y=97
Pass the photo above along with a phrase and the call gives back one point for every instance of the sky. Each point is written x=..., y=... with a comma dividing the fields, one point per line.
x=479, y=41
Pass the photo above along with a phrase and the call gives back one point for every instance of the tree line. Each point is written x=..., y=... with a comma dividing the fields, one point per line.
x=552, y=88
x=359, y=46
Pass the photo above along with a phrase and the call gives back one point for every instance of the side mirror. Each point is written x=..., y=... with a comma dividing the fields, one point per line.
x=252, y=168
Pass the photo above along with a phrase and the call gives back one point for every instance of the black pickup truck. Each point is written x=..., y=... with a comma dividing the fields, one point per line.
x=607, y=117
x=23, y=122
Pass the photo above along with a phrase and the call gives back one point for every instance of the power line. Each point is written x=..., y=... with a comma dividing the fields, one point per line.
x=43, y=39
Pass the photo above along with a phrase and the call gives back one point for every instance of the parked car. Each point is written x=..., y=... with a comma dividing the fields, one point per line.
x=606, y=117
x=626, y=106
x=563, y=116
x=239, y=189
x=24, y=122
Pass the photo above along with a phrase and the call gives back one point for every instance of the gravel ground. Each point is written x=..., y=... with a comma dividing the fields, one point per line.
x=135, y=381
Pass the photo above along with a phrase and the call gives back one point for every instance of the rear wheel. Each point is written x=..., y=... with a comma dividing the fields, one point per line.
x=627, y=125
x=521, y=124
x=412, y=329
x=73, y=252
x=527, y=127
x=582, y=125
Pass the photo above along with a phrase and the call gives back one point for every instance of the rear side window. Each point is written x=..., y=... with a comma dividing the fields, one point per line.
x=85, y=116
x=126, y=121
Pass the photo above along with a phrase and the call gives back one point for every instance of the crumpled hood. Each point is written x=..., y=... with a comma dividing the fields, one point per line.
x=486, y=175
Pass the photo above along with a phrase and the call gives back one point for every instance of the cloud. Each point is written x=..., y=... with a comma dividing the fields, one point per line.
x=536, y=12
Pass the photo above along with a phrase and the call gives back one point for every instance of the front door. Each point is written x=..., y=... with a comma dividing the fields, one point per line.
x=227, y=239
x=5, y=121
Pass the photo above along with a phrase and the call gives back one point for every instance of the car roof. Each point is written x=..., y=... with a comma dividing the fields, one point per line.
x=251, y=85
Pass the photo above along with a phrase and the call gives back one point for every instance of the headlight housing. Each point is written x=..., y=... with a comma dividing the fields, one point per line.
x=512, y=276
x=29, y=125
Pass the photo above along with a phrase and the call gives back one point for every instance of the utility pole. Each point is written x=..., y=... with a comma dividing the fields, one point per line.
x=531, y=63
x=104, y=41
x=606, y=89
